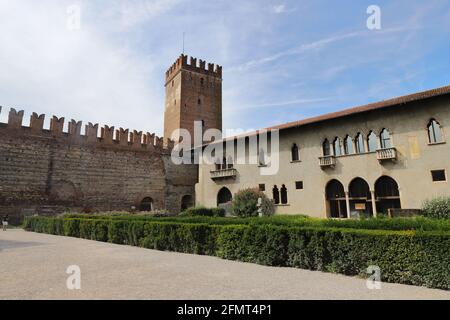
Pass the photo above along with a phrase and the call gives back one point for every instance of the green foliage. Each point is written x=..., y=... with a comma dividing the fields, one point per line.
x=437, y=208
x=245, y=203
x=416, y=257
x=205, y=212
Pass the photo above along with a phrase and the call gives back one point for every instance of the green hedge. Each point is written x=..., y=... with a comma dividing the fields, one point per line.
x=416, y=223
x=437, y=208
x=408, y=257
x=205, y=212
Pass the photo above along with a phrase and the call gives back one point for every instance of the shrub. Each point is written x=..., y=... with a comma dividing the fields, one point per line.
x=411, y=257
x=438, y=208
x=202, y=211
x=245, y=203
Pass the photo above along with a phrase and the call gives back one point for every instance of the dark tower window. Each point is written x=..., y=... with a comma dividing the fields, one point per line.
x=295, y=153
x=284, y=197
x=202, y=82
x=199, y=101
x=276, y=195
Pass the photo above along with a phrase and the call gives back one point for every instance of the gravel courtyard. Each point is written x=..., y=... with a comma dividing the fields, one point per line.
x=33, y=266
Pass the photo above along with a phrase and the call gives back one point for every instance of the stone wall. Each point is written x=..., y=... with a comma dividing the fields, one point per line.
x=48, y=171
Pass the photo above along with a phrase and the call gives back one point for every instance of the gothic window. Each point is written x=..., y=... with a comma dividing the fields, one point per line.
x=372, y=141
x=385, y=139
x=337, y=146
x=326, y=148
x=284, y=197
x=434, y=132
x=261, y=157
x=295, y=153
x=359, y=143
x=348, y=145
x=276, y=195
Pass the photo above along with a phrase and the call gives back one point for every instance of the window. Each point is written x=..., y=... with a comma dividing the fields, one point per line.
x=202, y=81
x=199, y=101
x=172, y=83
x=276, y=195
x=230, y=162
x=385, y=139
x=299, y=185
x=337, y=147
x=295, y=154
x=434, y=132
x=283, y=191
x=261, y=157
x=359, y=143
x=438, y=175
x=348, y=145
x=326, y=148
x=262, y=187
x=372, y=142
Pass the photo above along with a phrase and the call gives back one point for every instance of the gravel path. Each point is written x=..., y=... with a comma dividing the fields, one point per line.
x=33, y=266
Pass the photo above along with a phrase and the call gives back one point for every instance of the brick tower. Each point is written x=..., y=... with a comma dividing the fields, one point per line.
x=193, y=93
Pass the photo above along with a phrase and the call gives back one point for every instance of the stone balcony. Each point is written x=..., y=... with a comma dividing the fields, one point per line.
x=327, y=162
x=229, y=173
x=387, y=154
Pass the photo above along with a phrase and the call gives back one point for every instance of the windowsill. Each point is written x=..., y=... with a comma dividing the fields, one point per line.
x=436, y=143
x=262, y=165
x=282, y=205
x=296, y=161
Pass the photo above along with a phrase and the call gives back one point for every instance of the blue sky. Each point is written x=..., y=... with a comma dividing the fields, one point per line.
x=282, y=60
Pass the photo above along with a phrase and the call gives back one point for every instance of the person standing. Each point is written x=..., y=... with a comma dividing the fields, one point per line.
x=5, y=220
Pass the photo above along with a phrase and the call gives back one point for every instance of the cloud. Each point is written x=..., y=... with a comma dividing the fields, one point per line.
x=279, y=8
x=77, y=74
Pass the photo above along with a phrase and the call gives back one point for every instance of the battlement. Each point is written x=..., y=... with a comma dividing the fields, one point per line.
x=192, y=65
x=109, y=137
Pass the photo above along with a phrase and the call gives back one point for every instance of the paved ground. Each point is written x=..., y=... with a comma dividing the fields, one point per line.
x=33, y=266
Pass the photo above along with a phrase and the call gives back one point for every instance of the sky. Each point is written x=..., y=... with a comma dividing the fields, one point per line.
x=282, y=60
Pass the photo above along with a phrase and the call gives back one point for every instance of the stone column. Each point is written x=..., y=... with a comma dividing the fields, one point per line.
x=347, y=203
x=374, y=205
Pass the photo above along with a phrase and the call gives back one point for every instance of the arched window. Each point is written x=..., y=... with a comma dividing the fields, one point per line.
x=224, y=196
x=372, y=142
x=348, y=145
x=335, y=196
x=359, y=188
x=295, y=154
x=283, y=192
x=326, y=148
x=434, y=132
x=387, y=194
x=385, y=139
x=262, y=157
x=337, y=147
x=186, y=202
x=276, y=195
x=146, y=204
x=359, y=143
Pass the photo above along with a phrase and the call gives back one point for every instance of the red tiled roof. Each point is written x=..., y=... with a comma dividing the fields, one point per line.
x=368, y=107
x=355, y=110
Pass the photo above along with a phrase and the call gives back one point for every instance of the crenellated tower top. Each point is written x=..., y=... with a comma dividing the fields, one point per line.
x=194, y=65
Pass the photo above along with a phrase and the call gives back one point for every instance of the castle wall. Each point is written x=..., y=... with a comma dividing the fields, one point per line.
x=51, y=171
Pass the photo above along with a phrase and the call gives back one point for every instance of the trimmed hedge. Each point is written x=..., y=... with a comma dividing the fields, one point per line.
x=409, y=257
x=416, y=223
x=205, y=212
